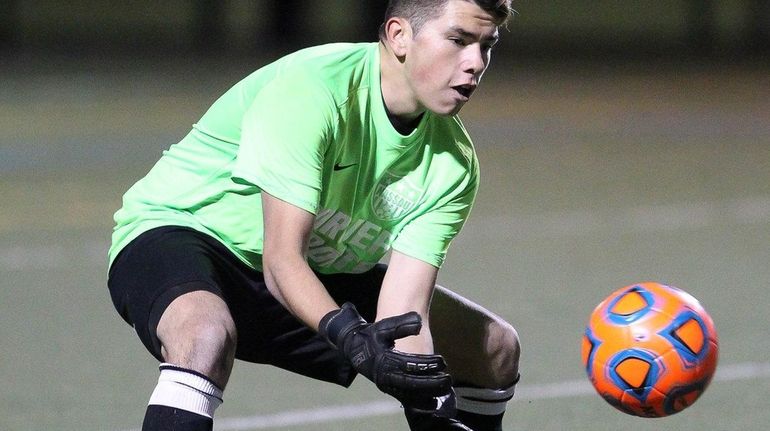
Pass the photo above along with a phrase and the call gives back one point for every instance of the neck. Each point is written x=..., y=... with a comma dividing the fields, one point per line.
x=403, y=109
x=402, y=127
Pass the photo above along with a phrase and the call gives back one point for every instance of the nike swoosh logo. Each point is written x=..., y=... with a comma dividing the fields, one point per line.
x=338, y=167
x=440, y=401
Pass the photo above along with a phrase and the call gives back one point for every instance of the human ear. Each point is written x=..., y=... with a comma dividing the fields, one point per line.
x=398, y=32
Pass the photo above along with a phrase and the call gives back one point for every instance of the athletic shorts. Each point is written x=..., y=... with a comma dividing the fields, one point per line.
x=167, y=262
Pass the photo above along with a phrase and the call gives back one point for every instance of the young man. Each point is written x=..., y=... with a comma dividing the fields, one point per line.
x=258, y=236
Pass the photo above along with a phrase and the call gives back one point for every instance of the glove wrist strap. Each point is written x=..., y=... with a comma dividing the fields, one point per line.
x=336, y=324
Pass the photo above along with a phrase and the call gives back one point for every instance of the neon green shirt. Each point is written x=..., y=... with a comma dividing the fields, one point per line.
x=311, y=129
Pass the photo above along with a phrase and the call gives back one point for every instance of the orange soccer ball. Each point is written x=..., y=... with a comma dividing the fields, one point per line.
x=650, y=350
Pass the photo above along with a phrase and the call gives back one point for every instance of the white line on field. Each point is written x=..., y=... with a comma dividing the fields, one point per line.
x=547, y=391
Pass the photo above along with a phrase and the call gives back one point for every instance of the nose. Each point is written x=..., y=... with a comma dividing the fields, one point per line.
x=475, y=60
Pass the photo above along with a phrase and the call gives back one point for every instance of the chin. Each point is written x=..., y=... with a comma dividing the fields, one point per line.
x=447, y=110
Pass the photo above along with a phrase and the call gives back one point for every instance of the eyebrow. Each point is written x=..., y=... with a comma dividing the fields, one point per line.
x=466, y=34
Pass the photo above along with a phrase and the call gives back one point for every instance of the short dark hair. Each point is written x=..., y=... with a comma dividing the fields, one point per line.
x=418, y=12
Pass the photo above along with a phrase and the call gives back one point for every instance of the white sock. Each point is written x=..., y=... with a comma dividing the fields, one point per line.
x=186, y=390
x=483, y=401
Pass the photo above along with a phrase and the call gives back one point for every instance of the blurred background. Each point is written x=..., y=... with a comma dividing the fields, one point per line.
x=690, y=28
x=620, y=141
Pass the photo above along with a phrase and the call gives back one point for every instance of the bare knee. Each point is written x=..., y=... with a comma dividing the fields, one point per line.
x=503, y=349
x=481, y=349
x=197, y=332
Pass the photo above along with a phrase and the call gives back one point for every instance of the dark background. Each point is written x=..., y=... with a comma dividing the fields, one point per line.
x=599, y=29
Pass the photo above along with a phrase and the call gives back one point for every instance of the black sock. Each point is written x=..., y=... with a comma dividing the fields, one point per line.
x=479, y=422
x=164, y=418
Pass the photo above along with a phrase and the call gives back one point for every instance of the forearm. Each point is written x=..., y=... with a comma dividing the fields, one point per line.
x=295, y=285
x=408, y=286
x=287, y=274
x=420, y=343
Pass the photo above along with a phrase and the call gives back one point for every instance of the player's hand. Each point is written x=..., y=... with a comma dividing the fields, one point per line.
x=369, y=347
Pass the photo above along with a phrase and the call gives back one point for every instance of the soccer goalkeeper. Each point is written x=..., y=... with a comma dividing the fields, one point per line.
x=258, y=236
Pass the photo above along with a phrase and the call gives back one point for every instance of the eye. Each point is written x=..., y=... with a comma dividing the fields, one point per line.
x=457, y=41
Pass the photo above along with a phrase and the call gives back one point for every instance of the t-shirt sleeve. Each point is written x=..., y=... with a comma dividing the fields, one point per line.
x=284, y=138
x=428, y=236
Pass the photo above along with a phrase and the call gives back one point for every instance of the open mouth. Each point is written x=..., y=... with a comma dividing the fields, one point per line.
x=464, y=90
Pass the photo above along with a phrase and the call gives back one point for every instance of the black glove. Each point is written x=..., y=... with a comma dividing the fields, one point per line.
x=433, y=414
x=369, y=348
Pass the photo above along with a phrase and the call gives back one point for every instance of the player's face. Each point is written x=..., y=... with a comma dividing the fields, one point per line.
x=448, y=55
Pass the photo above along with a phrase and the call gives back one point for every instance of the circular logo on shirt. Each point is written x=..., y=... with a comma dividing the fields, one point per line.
x=394, y=196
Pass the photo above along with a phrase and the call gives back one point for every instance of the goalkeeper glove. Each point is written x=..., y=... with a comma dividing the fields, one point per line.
x=369, y=348
x=433, y=414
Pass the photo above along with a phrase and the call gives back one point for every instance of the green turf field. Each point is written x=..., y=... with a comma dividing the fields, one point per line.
x=594, y=177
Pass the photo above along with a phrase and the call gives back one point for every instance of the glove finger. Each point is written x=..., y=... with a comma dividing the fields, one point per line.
x=393, y=328
x=415, y=363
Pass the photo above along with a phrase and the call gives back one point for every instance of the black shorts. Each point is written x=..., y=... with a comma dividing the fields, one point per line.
x=167, y=262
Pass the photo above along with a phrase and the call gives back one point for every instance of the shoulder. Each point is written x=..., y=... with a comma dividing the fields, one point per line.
x=315, y=79
x=339, y=67
x=332, y=54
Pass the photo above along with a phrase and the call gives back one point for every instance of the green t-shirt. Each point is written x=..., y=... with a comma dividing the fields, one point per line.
x=311, y=129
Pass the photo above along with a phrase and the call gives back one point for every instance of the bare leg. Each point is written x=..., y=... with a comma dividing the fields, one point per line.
x=197, y=332
x=198, y=339
x=482, y=353
x=480, y=347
